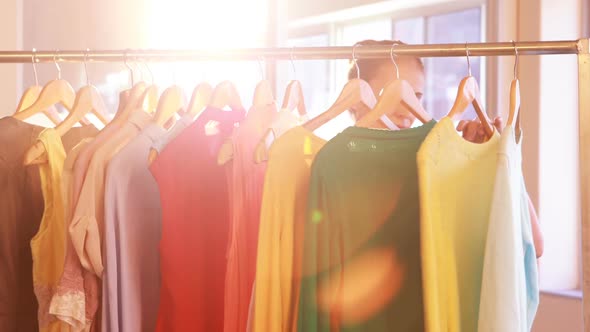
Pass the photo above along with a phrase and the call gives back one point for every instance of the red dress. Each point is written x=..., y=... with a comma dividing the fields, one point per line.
x=195, y=225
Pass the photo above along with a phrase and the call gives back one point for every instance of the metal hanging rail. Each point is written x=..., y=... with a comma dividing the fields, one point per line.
x=299, y=53
x=579, y=47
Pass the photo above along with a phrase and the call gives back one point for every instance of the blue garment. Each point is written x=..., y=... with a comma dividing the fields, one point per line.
x=510, y=288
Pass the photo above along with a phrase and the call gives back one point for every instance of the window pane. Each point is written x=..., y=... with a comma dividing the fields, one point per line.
x=409, y=31
x=353, y=33
x=444, y=74
x=377, y=29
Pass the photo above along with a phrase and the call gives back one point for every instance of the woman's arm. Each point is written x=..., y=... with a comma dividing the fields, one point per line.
x=537, y=234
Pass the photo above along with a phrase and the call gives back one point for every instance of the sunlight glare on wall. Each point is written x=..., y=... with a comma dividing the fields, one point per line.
x=185, y=24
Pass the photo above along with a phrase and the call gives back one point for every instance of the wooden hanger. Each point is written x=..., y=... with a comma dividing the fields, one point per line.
x=171, y=102
x=224, y=95
x=199, y=100
x=55, y=92
x=263, y=98
x=396, y=93
x=468, y=94
x=132, y=103
x=88, y=100
x=149, y=100
x=294, y=98
x=129, y=100
x=514, y=107
x=29, y=97
x=263, y=95
x=32, y=94
x=355, y=93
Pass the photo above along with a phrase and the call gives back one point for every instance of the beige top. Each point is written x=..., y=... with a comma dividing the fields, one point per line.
x=86, y=228
x=75, y=285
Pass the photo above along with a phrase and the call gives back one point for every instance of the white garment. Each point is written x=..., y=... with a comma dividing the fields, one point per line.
x=510, y=290
x=171, y=134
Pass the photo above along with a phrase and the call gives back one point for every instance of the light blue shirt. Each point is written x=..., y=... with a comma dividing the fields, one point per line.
x=510, y=287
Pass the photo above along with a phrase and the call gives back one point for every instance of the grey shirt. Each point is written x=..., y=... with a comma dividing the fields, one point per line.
x=131, y=279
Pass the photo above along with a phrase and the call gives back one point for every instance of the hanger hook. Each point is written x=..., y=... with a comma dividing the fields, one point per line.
x=85, y=66
x=515, y=59
x=354, y=59
x=147, y=66
x=57, y=65
x=129, y=67
x=293, y=63
x=138, y=66
x=34, y=60
x=468, y=61
x=261, y=67
x=173, y=71
x=391, y=55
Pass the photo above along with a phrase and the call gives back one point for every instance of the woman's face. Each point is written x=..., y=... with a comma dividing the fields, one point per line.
x=409, y=70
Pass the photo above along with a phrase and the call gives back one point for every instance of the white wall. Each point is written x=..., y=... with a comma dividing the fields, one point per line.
x=10, y=33
x=558, y=142
x=73, y=24
x=559, y=313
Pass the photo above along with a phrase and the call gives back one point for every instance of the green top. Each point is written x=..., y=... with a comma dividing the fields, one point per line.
x=361, y=263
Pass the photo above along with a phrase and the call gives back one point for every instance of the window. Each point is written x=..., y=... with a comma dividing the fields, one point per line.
x=442, y=74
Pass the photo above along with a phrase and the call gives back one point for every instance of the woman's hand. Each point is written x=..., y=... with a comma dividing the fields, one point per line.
x=474, y=132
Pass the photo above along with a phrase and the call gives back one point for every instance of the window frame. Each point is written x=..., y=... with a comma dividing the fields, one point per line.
x=333, y=25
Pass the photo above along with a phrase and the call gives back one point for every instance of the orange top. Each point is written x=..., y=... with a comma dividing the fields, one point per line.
x=246, y=179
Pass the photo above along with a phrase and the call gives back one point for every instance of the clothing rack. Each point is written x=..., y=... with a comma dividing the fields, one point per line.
x=579, y=47
x=299, y=53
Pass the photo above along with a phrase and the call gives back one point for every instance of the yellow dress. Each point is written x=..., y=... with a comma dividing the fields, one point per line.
x=48, y=245
x=456, y=180
x=283, y=213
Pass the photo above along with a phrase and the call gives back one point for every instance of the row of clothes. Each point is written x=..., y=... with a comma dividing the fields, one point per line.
x=373, y=230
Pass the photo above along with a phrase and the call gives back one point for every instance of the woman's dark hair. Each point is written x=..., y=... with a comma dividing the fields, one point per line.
x=369, y=67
